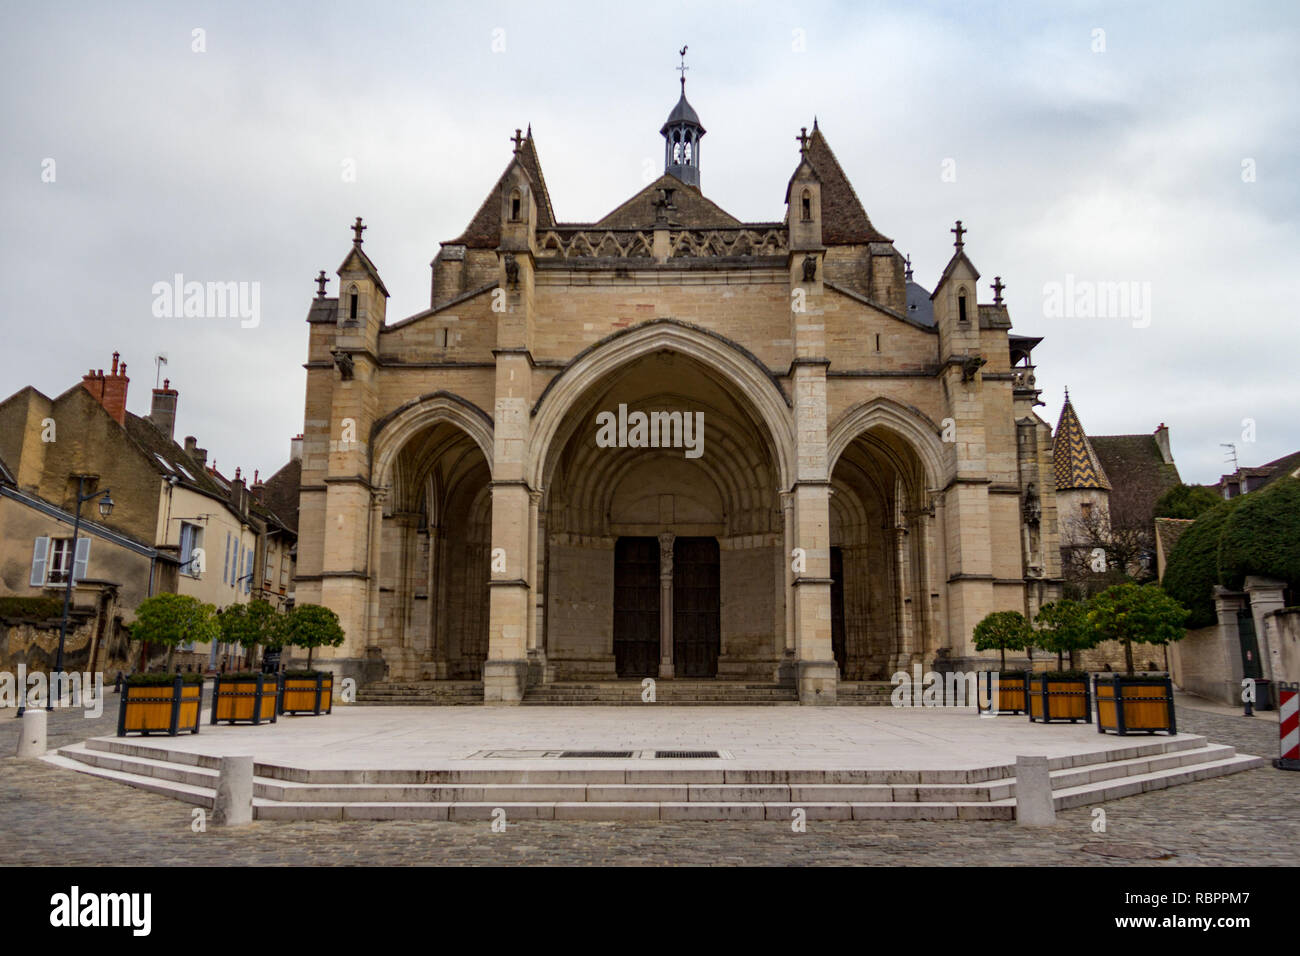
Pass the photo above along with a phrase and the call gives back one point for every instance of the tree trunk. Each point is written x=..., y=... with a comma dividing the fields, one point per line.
x=309, y=650
x=1003, y=651
x=171, y=658
x=1128, y=656
x=1060, y=662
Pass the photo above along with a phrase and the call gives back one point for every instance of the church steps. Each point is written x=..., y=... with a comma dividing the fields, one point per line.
x=669, y=791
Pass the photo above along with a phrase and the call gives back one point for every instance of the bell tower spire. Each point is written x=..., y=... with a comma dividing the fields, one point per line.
x=682, y=134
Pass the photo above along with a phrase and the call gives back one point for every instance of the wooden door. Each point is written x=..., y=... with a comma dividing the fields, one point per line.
x=697, y=633
x=837, y=608
x=636, y=607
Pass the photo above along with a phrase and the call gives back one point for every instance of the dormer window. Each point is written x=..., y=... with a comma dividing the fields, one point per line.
x=353, y=302
x=961, y=306
x=806, y=206
x=514, y=206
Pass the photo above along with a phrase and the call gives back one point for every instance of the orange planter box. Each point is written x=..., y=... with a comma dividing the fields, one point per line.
x=1059, y=698
x=1127, y=705
x=159, y=708
x=245, y=700
x=307, y=695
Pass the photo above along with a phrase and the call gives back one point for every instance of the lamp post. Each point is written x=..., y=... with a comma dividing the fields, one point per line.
x=105, y=509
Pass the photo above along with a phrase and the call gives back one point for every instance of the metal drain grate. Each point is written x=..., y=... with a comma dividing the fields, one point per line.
x=686, y=753
x=597, y=753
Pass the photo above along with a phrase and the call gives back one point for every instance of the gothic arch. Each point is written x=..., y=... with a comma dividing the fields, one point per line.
x=910, y=423
x=393, y=431
x=732, y=363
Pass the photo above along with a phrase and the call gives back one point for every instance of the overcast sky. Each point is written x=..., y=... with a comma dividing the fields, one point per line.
x=1116, y=156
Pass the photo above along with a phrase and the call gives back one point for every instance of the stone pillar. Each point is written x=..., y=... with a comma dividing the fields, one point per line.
x=1226, y=605
x=31, y=739
x=1035, y=805
x=1266, y=596
x=816, y=667
x=536, y=655
x=505, y=672
x=785, y=671
x=233, y=805
x=666, y=604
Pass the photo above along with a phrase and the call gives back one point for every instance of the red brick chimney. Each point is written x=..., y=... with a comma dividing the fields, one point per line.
x=109, y=390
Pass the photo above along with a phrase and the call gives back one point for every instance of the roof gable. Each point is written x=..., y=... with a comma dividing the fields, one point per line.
x=1074, y=462
x=691, y=208
x=362, y=264
x=844, y=221
x=484, y=230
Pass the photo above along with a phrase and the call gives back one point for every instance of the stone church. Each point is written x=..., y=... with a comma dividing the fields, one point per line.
x=820, y=473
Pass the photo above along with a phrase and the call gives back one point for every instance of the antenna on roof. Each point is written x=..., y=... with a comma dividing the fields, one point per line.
x=1231, y=454
x=159, y=361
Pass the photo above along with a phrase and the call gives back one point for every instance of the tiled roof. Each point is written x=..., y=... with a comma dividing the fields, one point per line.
x=1137, y=472
x=1074, y=461
x=484, y=230
x=280, y=493
x=844, y=221
x=1169, y=530
x=691, y=209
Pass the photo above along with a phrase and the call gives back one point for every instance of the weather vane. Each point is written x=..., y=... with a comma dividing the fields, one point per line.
x=683, y=68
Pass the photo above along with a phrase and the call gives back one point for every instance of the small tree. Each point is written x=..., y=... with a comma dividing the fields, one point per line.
x=1003, y=631
x=312, y=626
x=1063, y=628
x=251, y=624
x=173, y=619
x=1142, y=614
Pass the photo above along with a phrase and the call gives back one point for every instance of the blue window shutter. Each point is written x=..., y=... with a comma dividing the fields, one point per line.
x=187, y=548
x=40, y=557
x=225, y=562
x=82, y=559
x=248, y=582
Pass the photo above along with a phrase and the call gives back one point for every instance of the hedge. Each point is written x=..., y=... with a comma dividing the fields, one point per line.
x=31, y=608
x=1193, y=567
x=1262, y=536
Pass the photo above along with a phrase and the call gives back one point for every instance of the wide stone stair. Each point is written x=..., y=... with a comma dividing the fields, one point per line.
x=866, y=693
x=675, y=691
x=421, y=693
x=671, y=788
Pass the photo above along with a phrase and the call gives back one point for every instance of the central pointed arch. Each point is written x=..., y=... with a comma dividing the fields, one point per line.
x=734, y=366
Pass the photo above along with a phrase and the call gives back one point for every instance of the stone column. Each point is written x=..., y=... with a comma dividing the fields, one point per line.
x=506, y=671
x=817, y=670
x=666, y=604
x=785, y=671
x=1266, y=596
x=1226, y=605
x=536, y=658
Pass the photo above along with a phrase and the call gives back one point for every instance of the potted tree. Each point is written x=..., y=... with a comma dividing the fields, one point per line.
x=1143, y=614
x=1062, y=628
x=167, y=702
x=309, y=691
x=1003, y=631
x=250, y=696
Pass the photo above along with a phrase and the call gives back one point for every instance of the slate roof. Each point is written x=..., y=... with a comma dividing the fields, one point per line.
x=484, y=230
x=683, y=112
x=1137, y=472
x=1273, y=470
x=919, y=304
x=1074, y=461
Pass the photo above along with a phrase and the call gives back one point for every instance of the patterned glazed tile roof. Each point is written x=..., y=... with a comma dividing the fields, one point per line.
x=1074, y=462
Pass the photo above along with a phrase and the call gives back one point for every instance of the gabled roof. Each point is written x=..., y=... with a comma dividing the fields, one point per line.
x=919, y=305
x=691, y=210
x=169, y=459
x=1074, y=462
x=957, y=257
x=484, y=230
x=1137, y=472
x=844, y=221
x=367, y=267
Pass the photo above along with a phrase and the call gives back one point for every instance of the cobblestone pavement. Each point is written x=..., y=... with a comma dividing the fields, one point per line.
x=50, y=815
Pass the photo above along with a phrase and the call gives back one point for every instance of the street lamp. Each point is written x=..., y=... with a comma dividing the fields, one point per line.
x=105, y=509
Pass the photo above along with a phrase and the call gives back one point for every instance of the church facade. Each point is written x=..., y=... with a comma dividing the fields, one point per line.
x=671, y=444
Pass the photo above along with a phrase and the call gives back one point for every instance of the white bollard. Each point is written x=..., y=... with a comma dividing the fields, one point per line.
x=1034, y=804
x=234, y=804
x=31, y=742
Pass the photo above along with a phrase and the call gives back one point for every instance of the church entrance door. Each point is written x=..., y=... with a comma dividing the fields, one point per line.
x=636, y=607
x=837, y=609
x=696, y=607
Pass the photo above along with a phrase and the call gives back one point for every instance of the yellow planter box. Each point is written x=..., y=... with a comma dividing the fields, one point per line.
x=307, y=695
x=1128, y=705
x=1009, y=697
x=1059, y=698
x=159, y=708
x=245, y=700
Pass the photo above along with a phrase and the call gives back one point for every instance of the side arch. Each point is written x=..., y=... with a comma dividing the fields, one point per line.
x=731, y=362
x=909, y=422
x=390, y=433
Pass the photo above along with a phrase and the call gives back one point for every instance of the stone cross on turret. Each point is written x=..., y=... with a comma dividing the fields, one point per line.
x=997, y=286
x=320, y=284
x=959, y=232
x=357, y=230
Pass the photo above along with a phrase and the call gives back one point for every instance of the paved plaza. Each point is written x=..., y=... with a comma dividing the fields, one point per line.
x=52, y=815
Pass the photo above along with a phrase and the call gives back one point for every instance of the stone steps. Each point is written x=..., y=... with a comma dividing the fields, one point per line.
x=421, y=693
x=662, y=791
x=677, y=691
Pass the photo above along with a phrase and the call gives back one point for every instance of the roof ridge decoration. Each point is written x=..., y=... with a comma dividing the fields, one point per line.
x=1074, y=462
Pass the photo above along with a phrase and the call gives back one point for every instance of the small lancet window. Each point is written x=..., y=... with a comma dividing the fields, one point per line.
x=514, y=206
x=961, y=306
x=353, y=300
x=806, y=205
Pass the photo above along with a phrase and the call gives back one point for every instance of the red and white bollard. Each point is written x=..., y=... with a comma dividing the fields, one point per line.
x=1289, y=727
